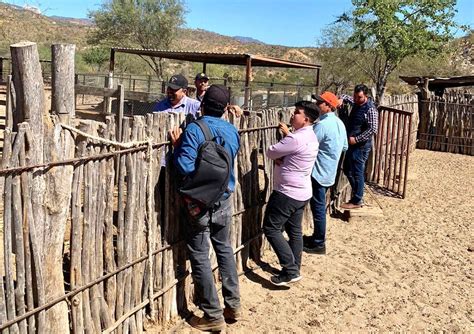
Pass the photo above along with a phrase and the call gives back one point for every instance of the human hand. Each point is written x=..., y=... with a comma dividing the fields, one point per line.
x=175, y=136
x=235, y=110
x=284, y=129
x=352, y=141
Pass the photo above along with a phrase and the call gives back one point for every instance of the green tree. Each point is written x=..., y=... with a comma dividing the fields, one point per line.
x=339, y=71
x=149, y=24
x=392, y=30
x=96, y=56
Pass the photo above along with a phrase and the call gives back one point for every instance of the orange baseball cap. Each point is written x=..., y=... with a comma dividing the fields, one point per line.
x=327, y=97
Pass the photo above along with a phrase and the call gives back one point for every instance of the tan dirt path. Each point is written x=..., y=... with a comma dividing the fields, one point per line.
x=411, y=270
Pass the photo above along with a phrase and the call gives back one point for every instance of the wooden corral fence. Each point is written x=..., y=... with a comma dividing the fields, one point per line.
x=396, y=139
x=90, y=243
x=391, y=150
x=447, y=123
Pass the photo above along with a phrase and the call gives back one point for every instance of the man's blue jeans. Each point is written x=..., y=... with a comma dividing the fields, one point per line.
x=354, y=168
x=318, y=208
x=213, y=227
x=284, y=213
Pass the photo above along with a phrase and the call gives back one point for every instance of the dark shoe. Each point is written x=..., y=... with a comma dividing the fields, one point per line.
x=284, y=279
x=351, y=206
x=204, y=324
x=232, y=314
x=315, y=249
x=307, y=240
x=276, y=271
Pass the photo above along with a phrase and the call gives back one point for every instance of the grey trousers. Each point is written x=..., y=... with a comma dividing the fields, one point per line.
x=213, y=228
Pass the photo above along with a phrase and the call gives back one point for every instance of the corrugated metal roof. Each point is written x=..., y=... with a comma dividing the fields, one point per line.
x=435, y=83
x=219, y=58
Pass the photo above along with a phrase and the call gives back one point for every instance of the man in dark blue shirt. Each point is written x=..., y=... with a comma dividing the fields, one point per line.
x=214, y=225
x=362, y=125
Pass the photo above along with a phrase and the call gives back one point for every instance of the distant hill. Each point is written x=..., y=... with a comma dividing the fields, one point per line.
x=244, y=39
x=18, y=24
x=85, y=22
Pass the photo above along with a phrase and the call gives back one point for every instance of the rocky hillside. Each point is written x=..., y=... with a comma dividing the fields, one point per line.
x=17, y=24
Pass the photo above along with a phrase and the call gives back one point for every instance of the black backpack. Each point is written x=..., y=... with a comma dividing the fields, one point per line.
x=212, y=173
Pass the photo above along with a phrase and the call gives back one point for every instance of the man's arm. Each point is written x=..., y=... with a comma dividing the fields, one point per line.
x=284, y=147
x=373, y=123
x=319, y=131
x=186, y=153
x=346, y=98
x=345, y=145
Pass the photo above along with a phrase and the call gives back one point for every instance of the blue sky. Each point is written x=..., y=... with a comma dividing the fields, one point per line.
x=283, y=22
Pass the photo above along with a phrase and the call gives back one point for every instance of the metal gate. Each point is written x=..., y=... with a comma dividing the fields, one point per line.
x=392, y=150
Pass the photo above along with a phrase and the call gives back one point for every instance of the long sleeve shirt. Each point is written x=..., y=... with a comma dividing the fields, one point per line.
x=186, y=104
x=226, y=134
x=298, y=151
x=372, y=117
x=332, y=138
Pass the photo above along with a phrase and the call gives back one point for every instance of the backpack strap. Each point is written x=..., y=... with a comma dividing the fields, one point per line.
x=205, y=129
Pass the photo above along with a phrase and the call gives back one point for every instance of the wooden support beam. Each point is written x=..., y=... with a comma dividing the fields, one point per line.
x=248, y=74
x=317, y=80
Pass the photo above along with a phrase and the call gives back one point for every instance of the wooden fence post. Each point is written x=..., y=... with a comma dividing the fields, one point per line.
x=59, y=183
x=63, y=80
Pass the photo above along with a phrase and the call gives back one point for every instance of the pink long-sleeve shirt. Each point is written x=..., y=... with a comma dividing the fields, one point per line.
x=293, y=176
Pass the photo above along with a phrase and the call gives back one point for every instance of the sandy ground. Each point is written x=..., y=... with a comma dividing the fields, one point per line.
x=411, y=270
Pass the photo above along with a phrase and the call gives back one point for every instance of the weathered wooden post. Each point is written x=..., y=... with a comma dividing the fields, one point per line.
x=424, y=113
x=30, y=108
x=49, y=189
x=63, y=80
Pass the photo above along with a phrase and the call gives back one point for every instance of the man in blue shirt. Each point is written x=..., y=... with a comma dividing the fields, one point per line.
x=214, y=225
x=332, y=138
x=176, y=99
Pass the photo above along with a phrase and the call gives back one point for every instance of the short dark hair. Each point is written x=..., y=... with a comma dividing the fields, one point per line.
x=311, y=110
x=361, y=88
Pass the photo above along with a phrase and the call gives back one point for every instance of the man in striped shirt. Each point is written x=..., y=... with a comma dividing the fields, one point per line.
x=361, y=127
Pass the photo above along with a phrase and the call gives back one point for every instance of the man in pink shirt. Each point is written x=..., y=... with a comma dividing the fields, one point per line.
x=294, y=159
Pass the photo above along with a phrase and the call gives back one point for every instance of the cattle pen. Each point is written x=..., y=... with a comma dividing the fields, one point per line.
x=88, y=243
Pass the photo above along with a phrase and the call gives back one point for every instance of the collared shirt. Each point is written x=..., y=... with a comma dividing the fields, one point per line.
x=186, y=104
x=292, y=177
x=372, y=117
x=199, y=97
x=226, y=134
x=332, y=138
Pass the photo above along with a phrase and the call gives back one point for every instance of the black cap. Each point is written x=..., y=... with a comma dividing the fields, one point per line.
x=201, y=76
x=217, y=97
x=178, y=81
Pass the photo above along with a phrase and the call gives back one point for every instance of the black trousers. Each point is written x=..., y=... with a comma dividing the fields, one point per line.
x=284, y=213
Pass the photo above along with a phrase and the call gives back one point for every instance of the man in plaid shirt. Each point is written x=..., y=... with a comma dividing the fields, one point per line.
x=361, y=127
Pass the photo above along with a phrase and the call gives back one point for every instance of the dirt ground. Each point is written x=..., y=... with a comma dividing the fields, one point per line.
x=411, y=270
